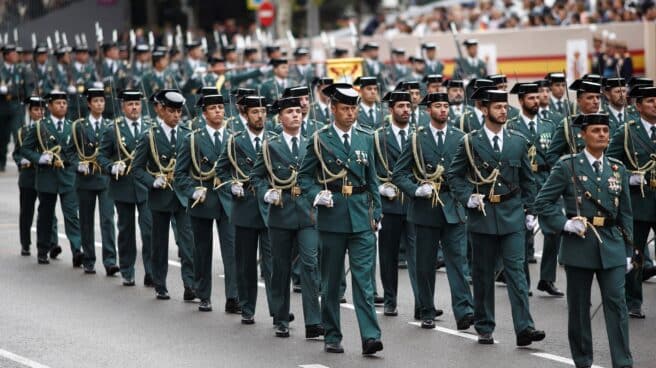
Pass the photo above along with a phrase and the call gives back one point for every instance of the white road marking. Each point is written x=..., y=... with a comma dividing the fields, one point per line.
x=21, y=360
x=452, y=332
x=352, y=307
x=559, y=359
x=312, y=366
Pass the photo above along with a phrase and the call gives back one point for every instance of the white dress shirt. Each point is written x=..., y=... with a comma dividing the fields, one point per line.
x=490, y=136
x=592, y=159
x=397, y=133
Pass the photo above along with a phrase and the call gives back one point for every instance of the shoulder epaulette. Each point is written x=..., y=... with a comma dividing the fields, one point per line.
x=631, y=122
x=615, y=161
x=567, y=156
x=363, y=130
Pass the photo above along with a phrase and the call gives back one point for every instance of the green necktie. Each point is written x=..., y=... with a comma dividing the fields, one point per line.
x=495, y=139
x=597, y=167
x=347, y=145
x=619, y=118
x=60, y=126
x=403, y=138
x=653, y=134
x=440, y=140
x=295, y=147
x=560, y=107
x=173, y=140
x=217, y=141
x=258, y=146
x=371, y=117
x=531, y=127
x=304, y=128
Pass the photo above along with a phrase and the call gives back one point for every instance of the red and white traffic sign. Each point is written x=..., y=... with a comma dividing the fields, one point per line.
x=266, y=13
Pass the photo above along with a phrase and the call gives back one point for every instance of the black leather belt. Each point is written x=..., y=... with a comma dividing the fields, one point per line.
x=597, y=221
x=335, y=187
x=498, y=198
x=543, y=168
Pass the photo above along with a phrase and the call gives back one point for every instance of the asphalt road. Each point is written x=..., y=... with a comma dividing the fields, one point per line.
x=56, y=316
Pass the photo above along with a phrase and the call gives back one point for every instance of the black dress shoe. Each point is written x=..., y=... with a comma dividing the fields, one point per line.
x=296, y=288
x=465, y=322
x=112, y=270
x=247, y=320
x=530, y=293
x=205, y=306
x=282, y=331
x=333, y=348
x=378, y=299
x=648, y=272
x=25, y=252
x=128, y=281
x=55, y=251
x=232, y=306
x=403, y=265
x=78, y=256
x=636, y=313
x=501, y=278
x=532, y=260
x=391, y=312
x=428, y=324
x=549, y=288
x=342, y=300
x=371, y=346
x=314, y=331
x=89, y=270
x=162, y=295
x=148, y=281
x=529, y=336
x=291, y=317
x=438, y=312
x=439, y=264
x=485, y=339
x=189, y=294
x=43, y=259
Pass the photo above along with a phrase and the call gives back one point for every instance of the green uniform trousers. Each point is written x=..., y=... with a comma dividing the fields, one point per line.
x=611, y=284
x=306, y=240
x=203, y=246
x=87, y=201
x=360, y=247
x=549, y=261
x=453, y=239
x=394, y=229
x=246, y=244
x=46, y=217
x=11, y=115
x=160, y=247
x=634, y=278
x=27, y=199
x=127, y=237
x=486, y=249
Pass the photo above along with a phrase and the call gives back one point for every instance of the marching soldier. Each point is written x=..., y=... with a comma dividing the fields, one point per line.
x=116, y=155
x=472, y=118
x=455, y=89
x=41, y=71
x=290, y=220
x=418, y=117
x=154, y=164
x=595, y=188
x=538, y=133
x=46, y=146
x=158, y=78
x=191, y=71
x=238, y=121
x=390, y=142
x=196, y=181
x=433, y=83
x=319, y=109
x=437, y=215
x=417, y=70
x=370, y=114
x=113, y=73
x=634, y=144
x=501, y=83
x=546, y=112
x=14, y=87
x=141, y=65
x=372, y=66
x=223, y=79
x=83, y=77
x=248, y=214
x=433, y=65
x=491, y=176
x=558, y=87
x=308, y=125
x=273, y=87
x=199, y=120
x=470, y=66
x=635, y=82
x=567, y=137
x=302, y=72
x=398, y=68
x=338, y=174
x=615, y=93
x=91, y=184
x=26, y=178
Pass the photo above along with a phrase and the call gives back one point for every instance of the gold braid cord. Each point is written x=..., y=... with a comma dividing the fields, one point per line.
x=532, y=154
x=199, y=174
x=89, y=160
x=422, y=175
x=568, y=138
x=328, y=175
x=165, y=172
x=387, y=179
x=20, y=144
x=54, y=151
x=239, y=176
x=122, y=149
x=480, y=180
x=632, y=156
x=277, y=183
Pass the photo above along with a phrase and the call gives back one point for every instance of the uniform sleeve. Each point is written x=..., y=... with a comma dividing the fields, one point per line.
x=616, y=147
x=546, y=204
x=258, y=177
x=106, y=151
x=183, y=183
x=402, y=173
x=141, y=160
x=309, y=168
x=373, y=183
x=223, y=165
x=558, y=146
x=527, y=181
x=457, y=174
x=29, y=148
x=625, y=213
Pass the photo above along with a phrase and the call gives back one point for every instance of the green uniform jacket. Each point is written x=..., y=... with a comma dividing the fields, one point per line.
x=48, y=178
x=247, y=211
x=88, y=143
x=205, y=155
x=613, y=195
x=454, y=119
x=468, y=120
x=350, y=214
x=26, y=175
x=310, y=125
x=387, y=154
x=421, y=211
x=319, y=114
x=505, y=217
x=159, y=199
x=641, y=150
x=296, y=212
x=272, y=90
x=365, y=120
x=433, y=67
x=17, y=83
x=153, y=82
x=562, y=142
x=126, y=189
x=563, y=111
x=301, y=78
x=541, y=141
x=465, y=70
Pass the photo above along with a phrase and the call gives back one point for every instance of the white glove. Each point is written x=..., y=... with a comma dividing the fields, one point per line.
x=629, y=265
x=24, y=162
x=637, y=179
x=159, y=182
x=71, y=89
x=530, y=222
x=45, y=159
x=118, y=168
x=265, y=69
x=115, y=169
x=424, y=190
x=3, y=90
x=575, y=226
x=198, y=193
x=237, y=189
x=323, y=198
x=272, y=196
x=83, y=168
x=387, y=191
x=199, y=72
x=475, y=200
